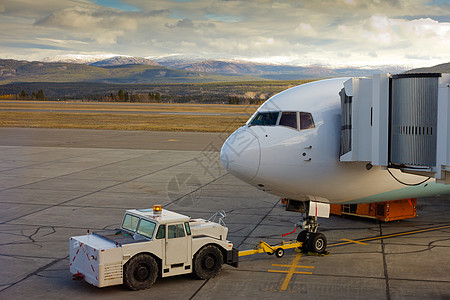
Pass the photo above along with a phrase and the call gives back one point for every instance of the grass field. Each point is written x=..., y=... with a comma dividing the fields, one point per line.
x=28, y=115
x=137, y=107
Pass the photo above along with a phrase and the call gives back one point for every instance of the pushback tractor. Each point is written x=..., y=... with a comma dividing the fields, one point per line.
x=151, y=243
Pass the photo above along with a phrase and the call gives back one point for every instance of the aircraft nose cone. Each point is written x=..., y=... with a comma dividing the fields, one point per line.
x=240, y=155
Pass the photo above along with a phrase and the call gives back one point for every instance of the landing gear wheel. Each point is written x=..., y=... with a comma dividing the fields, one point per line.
x=140, y=272
x=207, y=262
x=303, y=237
x=317, y=242
x=279, y=252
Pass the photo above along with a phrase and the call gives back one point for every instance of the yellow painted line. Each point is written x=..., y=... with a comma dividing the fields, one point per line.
x=291, y=272
x=292, y=267
x=288, y=266
x=356, y=242
x=295, y=272
x=173, y=140
x=390, y=235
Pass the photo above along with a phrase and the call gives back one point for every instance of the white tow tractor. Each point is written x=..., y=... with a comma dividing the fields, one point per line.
x=151, y=243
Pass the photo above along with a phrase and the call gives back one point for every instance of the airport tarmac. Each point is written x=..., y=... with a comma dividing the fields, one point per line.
x=55, y=184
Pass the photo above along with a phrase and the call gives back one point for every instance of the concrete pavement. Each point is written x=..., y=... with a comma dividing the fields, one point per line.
x=57, y=183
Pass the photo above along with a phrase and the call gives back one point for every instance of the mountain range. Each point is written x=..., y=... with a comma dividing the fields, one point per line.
x=172, y=69
x=442, y=68
x=121, y=60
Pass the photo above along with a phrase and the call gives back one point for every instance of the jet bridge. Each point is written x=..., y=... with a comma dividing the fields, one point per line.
x=398, y=121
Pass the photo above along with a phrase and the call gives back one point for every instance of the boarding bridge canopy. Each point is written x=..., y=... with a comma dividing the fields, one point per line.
x=398, y=121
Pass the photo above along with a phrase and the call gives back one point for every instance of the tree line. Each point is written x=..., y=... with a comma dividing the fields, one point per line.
x=124, y=96
x=39, y=96
x=134, y=97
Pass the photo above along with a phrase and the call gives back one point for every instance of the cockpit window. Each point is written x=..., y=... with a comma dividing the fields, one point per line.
x=266, y=119
x=289, y=118
x=306, y=121
x=293, y=119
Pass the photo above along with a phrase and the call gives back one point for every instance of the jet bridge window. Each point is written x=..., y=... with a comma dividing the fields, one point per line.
x=346, y=123
x=289, y=119
x=266, y=119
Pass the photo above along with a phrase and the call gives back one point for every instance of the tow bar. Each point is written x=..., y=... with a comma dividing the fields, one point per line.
x=263, y=247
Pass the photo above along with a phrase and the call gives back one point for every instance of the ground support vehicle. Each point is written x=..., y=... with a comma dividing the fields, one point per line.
x=381, y=211
x=151, y=243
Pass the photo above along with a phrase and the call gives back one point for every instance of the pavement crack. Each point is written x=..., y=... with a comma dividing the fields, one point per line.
x=386, y=274
x=93, y=192
x=259, y=223
x=431, y=246
x=199, y=289
x=34, y=273
x=192, y=192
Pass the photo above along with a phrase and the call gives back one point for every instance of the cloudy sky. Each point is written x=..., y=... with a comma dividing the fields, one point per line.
x=330, y=32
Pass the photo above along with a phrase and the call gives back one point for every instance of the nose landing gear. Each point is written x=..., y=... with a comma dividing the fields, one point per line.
x=313, y=241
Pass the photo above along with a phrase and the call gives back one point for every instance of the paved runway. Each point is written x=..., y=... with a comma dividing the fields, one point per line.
x=112, y=139
x=57, y=183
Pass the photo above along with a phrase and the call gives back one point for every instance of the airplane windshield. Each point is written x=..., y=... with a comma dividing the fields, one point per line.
x=292, y=119
x=266, y=119
x=289, y=119
x=306, y=121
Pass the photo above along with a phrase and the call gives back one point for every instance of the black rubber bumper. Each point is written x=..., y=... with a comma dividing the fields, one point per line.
x=233, y=258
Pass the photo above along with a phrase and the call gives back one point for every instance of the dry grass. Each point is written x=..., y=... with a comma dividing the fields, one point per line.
x=129, y=107
x=123, y=116
x=121, y=121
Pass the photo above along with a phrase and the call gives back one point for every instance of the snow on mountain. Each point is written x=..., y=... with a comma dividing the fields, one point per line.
x=80, y=58
x=176, y=61
x=232, y=66
x=124, y=60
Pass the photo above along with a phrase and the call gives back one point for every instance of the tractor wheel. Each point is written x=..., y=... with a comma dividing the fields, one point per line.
x=207, y=262
x=140, y=272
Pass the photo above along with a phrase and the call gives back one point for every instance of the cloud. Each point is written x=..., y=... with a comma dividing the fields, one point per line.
x=82, y=18
x=185, y=23
x=34, y=46
x=328, y=31
x=305, y=30
x=57, y=41
x=103, y=26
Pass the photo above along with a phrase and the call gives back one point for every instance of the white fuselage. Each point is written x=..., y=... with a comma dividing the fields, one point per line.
x=303, y=163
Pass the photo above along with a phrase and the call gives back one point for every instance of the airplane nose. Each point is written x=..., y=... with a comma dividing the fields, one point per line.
x=240, y=154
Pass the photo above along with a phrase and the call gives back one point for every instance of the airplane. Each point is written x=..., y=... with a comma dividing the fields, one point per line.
x=292, y=147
